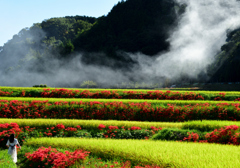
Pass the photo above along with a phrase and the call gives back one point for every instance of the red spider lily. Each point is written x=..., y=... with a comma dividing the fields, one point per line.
x=225, y=135
x=50, y=156
x=135, y=128
x=101, y=126
x=2, y=93
x=60, y=126
x=192, y=137
x=155, y=129
x=113, y=127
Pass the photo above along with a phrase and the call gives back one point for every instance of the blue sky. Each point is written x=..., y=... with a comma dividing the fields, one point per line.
x=16, y=14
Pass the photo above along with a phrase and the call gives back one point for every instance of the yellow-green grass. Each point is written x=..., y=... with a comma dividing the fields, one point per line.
x=22, y=88
x=207, y=125
x=80, y=89
x=88, y=124
x=153, y=102
x=162, y=153
x=93, y=124
x=121, y=90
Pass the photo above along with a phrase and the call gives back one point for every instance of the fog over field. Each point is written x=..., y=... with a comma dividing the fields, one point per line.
x=198, y=38
x=201, y=32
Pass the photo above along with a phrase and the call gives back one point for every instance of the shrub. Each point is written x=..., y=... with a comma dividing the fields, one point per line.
x=130, y=133
x=41, y=85
x=88, y=84
x=175, y=134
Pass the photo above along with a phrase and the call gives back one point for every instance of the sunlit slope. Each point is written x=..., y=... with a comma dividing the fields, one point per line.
x=162, y=153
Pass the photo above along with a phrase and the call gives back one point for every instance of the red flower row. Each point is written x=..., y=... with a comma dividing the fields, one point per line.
x=124, y=95
x=115, y=132
x=157, y=94
x=101, y=127
x=118, y=111
x=224, y=135
x=51, y=157
x=2, y=93
x=8, y=129
x=61, y=130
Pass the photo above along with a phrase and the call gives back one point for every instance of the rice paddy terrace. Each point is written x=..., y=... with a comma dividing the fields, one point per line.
x=120, y=128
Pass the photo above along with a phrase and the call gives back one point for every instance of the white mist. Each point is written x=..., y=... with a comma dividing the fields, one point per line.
x=198, y=38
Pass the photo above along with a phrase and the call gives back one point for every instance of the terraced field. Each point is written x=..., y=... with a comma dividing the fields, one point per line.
x=121, y=128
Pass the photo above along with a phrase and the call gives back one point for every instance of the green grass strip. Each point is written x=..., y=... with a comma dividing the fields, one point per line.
x=80, y=89
x=205, y=125
x=6, y=160
x=87, y=124
x=208, y=125
x=119, y=90
x=162, y=153
x=153, y=102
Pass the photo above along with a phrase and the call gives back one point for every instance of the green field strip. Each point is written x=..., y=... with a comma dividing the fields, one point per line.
x=205, y=125
x=162, y=153
x=153, y=102
x=4, y=88
x=21, y=88
x=87, y=124
x=208, y=125
x=80, y=89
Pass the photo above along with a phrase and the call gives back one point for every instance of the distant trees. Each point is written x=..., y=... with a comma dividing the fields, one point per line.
x=66, y=48
x=88, y=84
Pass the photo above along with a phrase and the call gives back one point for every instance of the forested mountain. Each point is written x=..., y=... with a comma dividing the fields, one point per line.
x=131, y=26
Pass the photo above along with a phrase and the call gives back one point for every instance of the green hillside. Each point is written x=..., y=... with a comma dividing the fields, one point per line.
x=131, y=26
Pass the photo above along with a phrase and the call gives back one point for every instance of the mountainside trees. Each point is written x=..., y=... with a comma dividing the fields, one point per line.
x=132, y=26
x=51, y=38
x=227, y=65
